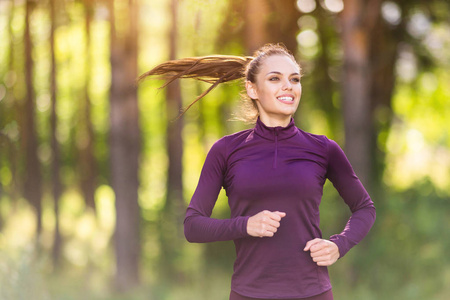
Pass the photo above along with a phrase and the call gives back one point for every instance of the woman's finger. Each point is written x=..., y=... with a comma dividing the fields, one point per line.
x=311, y=243
x=322, y=252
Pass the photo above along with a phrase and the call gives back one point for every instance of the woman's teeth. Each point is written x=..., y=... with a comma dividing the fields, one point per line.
x=286, y=98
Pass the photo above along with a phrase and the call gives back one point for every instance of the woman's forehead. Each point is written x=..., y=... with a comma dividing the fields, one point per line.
x=280, y=64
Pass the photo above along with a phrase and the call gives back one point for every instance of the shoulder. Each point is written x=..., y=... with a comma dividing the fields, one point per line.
x=231, y=141
x=317, y=140
x=322, y=143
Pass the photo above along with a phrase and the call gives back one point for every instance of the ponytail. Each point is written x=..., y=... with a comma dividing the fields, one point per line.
x=216, y=69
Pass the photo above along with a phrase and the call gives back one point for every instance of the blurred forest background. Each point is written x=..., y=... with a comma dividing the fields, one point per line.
x=96, y=173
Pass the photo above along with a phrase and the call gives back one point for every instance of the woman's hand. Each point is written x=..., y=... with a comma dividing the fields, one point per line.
x=264, y=223
x=323, y=252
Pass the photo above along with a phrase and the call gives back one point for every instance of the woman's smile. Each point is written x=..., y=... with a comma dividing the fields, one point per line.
x=288, y=99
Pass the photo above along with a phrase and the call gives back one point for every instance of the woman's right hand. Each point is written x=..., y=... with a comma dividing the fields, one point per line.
x=265, y=223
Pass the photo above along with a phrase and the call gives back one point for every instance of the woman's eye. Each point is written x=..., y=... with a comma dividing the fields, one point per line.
x=296, y=80
x=273, y=78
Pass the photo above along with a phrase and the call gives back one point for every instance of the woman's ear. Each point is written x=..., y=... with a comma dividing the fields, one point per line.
x=251, y=89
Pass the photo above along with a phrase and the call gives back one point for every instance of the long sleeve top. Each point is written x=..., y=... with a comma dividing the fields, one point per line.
x=276, y=169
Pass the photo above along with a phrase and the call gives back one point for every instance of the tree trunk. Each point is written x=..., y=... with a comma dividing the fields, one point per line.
x=88, y=164
x=5, y=143
x=281, y=23
x=173, y=213
x=254, y=23
x=357, y=20
x=32, y=183
x=16, y=104
x=324, y=86
x=270, y=22
x=55, y=164
x=256, y=15
x=125, y=147
x=383, y=57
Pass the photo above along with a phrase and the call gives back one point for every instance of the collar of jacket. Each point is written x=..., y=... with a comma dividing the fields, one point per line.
x=275, y=133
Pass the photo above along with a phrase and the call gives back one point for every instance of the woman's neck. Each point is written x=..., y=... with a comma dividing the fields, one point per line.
x=281, y=121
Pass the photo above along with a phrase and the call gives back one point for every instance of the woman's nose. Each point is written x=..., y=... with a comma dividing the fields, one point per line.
x=287, y=85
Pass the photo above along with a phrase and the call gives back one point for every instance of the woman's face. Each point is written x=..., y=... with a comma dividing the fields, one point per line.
x=277, y=90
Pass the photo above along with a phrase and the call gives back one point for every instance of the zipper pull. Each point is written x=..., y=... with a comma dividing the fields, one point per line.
x=276, y=131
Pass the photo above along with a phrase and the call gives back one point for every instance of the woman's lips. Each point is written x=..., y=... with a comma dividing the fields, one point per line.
x=289, y=99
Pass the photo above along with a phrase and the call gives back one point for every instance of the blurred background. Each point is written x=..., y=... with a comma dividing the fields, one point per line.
x=96, y=172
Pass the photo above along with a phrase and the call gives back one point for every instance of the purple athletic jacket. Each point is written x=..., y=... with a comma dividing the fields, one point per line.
x=276, y=169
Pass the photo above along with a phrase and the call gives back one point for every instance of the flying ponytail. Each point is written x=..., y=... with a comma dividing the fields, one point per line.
x=216, y=69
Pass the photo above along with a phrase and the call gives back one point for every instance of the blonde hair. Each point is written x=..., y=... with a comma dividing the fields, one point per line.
x=216, y=69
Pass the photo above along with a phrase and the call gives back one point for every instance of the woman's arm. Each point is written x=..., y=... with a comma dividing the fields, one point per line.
x=199, y=227
x=344, y=179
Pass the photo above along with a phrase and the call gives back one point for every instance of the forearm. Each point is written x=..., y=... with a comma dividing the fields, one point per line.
x=355, y=230
x=203, y=229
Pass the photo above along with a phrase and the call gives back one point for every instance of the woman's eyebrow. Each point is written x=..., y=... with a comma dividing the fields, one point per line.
x=279, y=73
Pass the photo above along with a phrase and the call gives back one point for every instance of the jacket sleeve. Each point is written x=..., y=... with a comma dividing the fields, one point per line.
x=350, y=188
x=199, y=227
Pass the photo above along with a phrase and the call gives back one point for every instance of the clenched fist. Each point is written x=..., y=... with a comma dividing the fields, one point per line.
x=265, y=223
x=323, y=252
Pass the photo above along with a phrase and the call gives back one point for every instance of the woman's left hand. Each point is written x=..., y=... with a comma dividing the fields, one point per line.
x=323, y=252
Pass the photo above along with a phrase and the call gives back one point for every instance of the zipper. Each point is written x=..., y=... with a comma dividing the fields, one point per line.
x=275, y=158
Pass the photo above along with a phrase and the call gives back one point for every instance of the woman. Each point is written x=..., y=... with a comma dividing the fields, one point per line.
x=273, y=175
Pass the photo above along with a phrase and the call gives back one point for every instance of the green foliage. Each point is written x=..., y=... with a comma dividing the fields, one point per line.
x=405, y=256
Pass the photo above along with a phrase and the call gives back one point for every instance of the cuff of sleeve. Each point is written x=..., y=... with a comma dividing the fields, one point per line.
x=244, y=221
x=340, y=243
